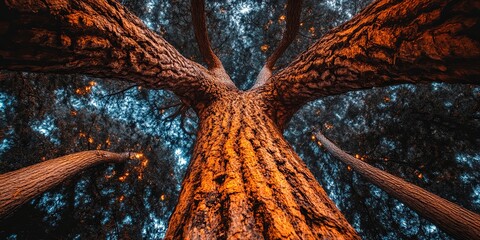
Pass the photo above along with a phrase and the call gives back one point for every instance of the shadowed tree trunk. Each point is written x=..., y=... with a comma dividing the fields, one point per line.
x=244, y=180
x=453, y=219
x=20, y=186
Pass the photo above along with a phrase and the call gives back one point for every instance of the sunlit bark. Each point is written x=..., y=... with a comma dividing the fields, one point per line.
x=390, y=42
x=453, y=219
x=99, y=38
x=20, y=186
x=246, y=182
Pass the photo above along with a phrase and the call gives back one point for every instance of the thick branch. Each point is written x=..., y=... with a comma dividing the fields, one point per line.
x=453, y=219
x=390, y=42
x=294, y=9
x=20, y=186
x=99, y=38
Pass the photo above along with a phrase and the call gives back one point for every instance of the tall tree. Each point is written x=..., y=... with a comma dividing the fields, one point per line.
x=244, y=179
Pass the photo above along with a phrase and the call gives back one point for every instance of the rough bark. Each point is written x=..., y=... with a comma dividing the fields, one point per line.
x=390, y=42
x=246, y=182
x=20, y=186
x=99, y=38
x=453, y=219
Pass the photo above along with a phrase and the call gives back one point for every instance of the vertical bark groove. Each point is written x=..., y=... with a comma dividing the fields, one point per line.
x=247, y=182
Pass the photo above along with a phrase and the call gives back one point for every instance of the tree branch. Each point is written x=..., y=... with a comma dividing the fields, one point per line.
x=98, y=38
x=390, y=42
x=294, y=9
x=201, y=35
x=453, y=219
x=22, y=185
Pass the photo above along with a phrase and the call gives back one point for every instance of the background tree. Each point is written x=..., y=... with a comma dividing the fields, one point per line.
x=144, y=115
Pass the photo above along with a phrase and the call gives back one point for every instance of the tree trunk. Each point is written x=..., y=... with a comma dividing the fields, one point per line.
x=453, y=219
x=20, y=186
x=246, y=182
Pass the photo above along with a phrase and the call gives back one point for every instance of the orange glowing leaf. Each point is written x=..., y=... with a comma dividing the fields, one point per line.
x=264, y=47
x=122, y=178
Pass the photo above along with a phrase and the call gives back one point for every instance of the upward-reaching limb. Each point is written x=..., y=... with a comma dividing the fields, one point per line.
x=294, y=8
x=99, y=38
x=390, y=42
x=453, y=219
x=201, y=34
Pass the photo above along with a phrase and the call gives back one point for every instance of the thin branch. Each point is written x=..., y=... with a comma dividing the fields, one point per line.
x=121, y=91
x=453, y=219
x=294, y=9
x=201, y=34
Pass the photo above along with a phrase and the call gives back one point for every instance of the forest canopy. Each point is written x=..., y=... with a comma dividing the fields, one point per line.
x=427, y=134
